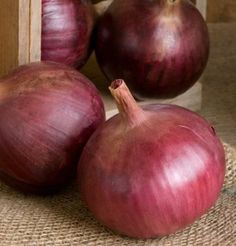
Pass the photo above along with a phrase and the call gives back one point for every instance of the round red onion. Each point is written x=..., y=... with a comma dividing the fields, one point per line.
x=48, y=112
x=160, y=48
x=66, y=31
x=150, y=172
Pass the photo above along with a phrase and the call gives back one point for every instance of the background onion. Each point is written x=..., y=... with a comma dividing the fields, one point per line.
x=66, y=31
x=150, y=172
x=48, y=112
x=160, y=48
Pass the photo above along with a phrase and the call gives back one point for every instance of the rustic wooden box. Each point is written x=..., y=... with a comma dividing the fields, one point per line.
x=20, y=43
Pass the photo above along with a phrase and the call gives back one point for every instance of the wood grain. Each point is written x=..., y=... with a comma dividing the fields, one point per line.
x=35, y=30
x=23, y=31
x=9, y=30
x=202, y=6
x=101, y=7
x=20, y=33
x=221, y=11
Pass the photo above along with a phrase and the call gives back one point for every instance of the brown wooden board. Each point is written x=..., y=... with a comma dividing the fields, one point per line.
x=20, y=33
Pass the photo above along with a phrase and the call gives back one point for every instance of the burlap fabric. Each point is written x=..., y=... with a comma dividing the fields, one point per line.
x=62, y=219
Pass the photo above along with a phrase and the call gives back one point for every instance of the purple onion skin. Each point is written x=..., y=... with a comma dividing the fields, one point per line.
x=154, y=175
x=48, y=112
x=160, y=48
x=67, y=27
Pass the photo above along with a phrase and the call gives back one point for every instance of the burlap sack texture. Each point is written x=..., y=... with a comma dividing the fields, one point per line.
x=63, y=220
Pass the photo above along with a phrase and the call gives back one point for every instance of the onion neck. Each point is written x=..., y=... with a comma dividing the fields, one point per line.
x=127, y=106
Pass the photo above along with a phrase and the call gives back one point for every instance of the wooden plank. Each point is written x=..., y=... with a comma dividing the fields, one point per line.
x=14, y=34
x=221, y=11
x=8, y=35
x=35, y=30
x=202, y=6
x=23, y=31
x=20, y=33
x=101, y=6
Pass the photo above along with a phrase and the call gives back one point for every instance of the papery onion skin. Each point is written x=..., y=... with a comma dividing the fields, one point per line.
x=48, y=112
x=67, y=27
x=160, y=48
x=151, y=173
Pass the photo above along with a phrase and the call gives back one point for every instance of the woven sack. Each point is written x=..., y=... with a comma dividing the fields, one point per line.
x=62, y=220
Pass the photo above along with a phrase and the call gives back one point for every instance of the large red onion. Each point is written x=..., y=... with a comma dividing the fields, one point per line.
x=66, y=31
x=160, y=48
x=150, y=172
x=48, y=112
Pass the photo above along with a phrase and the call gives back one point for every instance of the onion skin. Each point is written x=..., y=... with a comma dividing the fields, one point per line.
x=48, y=112
x=67, y=27
x=160, y=48
x=153, y=171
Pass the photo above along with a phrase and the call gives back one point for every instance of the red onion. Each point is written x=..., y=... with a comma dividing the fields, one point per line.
x=160, y=48
x=150, y=172
x=48, y=112
x=66, y=31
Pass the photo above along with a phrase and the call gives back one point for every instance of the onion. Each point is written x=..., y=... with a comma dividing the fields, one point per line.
x=48, y=112
x=160, y=48
x=66, y=31
x=150, y=172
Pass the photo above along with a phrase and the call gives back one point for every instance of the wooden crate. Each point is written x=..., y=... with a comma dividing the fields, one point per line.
x=221, y=11
x=20, y=33
x=20, y=43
